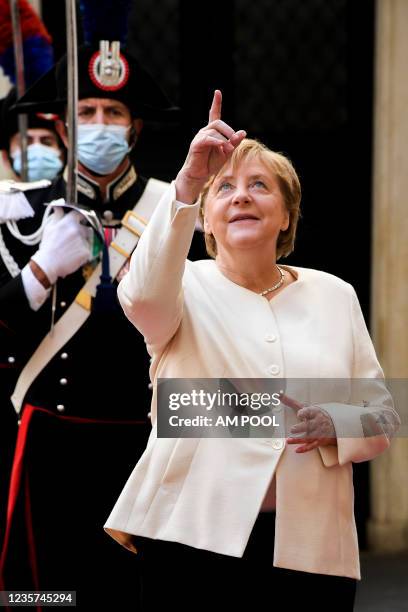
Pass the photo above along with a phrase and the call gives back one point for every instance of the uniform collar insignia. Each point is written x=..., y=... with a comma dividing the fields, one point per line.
x=116, y=188
x=85, y=185
x=122, y=183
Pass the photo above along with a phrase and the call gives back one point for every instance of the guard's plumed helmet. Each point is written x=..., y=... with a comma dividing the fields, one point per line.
x=104, y=71
x=9, y=120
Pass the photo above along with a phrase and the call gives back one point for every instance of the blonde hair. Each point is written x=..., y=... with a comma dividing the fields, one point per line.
x=289, y=186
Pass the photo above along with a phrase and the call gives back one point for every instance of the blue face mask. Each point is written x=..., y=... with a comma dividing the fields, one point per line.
x=43, y=162
x=101, y=148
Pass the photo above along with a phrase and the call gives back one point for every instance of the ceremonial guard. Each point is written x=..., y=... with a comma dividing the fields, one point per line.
x=45, y=149
x=77, y=370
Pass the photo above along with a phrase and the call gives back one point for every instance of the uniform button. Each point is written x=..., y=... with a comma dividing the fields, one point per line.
x=60, y=407
x=63, y=304
x=108, y=215
x=277, y=444
x=64, y=355
x=150, y=386
x=270, y=338
x=149, y=415
x=274, y=370
x=11, y=359
x=63, y=381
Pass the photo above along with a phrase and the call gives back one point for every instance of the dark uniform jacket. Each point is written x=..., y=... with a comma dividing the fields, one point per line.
x=94, y=374
x=78, y=458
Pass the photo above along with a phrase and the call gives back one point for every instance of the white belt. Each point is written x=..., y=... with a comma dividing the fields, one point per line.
x=133, y=224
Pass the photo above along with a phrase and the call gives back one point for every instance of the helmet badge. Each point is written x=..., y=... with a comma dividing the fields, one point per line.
x=108, y=68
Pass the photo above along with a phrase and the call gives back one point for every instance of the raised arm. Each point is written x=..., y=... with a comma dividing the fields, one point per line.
x=151, y=293
x=210, y=149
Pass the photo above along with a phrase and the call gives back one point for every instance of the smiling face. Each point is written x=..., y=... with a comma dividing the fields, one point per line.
x=245, y=208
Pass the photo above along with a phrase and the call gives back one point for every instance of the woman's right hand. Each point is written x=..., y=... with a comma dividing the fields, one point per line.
x=212, y=146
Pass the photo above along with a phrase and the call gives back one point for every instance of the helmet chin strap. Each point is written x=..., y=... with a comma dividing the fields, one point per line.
x=133, y=137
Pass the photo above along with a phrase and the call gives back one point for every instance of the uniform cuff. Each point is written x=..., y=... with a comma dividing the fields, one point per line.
x=34, y=290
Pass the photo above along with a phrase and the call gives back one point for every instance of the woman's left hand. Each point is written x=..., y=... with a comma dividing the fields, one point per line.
x=315, y=429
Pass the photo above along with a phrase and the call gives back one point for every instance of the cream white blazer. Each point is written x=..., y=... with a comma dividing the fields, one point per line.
x=207, y=492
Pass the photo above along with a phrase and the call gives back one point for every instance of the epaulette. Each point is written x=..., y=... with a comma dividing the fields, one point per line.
x=13, y=203
x=13, y=207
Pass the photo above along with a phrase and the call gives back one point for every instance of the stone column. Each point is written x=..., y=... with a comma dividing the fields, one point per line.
x=388, y=526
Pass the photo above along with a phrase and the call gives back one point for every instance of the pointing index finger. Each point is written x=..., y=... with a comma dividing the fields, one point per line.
x=215, y=110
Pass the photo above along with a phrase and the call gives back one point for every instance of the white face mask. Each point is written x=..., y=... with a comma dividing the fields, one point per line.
x=43, y=162
x=101, y=148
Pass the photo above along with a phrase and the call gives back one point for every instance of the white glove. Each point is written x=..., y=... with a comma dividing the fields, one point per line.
x=65, y=245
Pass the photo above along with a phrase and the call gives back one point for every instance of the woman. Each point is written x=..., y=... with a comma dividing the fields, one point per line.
x=196, y=509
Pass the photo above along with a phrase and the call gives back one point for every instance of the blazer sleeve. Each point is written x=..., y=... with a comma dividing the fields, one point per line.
x=151, y=294
x=365, y=426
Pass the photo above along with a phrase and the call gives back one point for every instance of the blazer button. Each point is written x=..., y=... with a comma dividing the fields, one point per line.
x=60, y=407
x=108, y=215
x=273, y=370
x=270, y=338
x=277, y=444
x=63, y=381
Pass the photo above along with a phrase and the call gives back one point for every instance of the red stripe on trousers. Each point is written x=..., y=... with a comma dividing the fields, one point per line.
x=17, y=473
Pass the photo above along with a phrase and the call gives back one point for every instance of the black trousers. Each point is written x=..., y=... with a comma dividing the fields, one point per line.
x=181, y=577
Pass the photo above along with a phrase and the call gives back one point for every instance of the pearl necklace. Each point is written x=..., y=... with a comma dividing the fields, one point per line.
x=277, y=285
